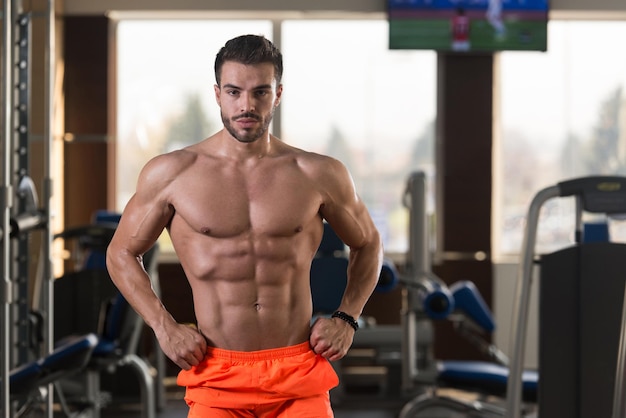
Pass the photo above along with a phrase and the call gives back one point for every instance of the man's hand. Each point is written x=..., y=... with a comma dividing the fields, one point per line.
x=183, y=344
x=331, y=338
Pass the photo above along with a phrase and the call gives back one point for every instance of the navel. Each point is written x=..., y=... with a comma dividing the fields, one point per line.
x=257, y=306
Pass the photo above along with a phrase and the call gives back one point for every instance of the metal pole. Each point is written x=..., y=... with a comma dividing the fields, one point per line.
x=6, y=292
x=24, y=189
x=521, y=302
x=48, y=280
x=418, y=263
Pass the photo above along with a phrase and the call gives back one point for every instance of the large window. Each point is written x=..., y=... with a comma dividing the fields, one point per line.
x=563, y=115
x=562, y=112
x=165, y=79
x=345, y=95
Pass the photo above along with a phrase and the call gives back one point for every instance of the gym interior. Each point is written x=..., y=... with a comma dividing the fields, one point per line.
x=494, y=175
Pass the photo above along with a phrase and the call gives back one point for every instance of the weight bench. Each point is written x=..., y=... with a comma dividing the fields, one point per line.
x=462, y=302
x=93, y=302
x=68, y=358
x=117, y=346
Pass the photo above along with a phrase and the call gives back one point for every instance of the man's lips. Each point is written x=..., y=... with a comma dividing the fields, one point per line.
x=246, y=122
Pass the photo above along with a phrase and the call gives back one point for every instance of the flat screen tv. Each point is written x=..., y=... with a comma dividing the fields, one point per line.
x=468, y=25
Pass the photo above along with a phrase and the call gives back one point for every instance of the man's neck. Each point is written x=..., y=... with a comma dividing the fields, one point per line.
x=257, y=149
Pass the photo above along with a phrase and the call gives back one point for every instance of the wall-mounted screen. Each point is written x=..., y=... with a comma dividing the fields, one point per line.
x=468, y=25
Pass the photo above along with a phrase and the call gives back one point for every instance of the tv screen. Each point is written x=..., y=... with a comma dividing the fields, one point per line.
x=468, y=25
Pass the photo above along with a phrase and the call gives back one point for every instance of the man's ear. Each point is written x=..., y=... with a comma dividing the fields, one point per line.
x=217, y=91
x=279, y=93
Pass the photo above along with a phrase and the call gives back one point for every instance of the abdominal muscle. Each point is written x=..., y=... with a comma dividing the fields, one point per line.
x=231, y=318
x=249, y=294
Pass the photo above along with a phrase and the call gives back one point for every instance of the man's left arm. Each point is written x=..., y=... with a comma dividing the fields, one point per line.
x=348, y=216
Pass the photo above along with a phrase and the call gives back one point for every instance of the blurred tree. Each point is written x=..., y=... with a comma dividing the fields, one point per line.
x=520, y=173
x=191, y=126
x=423, y=151
x=571, y=156
x=602, y=151
x=337, y=147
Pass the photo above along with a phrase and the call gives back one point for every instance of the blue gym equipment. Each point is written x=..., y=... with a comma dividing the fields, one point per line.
x=405, y=352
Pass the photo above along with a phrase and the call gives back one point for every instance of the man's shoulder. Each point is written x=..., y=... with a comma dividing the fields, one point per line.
x=173, y=160
x=310, y=158
x=324, y=164
x=164, y=169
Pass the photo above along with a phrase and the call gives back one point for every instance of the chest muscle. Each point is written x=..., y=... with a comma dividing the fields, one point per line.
x=269, y=202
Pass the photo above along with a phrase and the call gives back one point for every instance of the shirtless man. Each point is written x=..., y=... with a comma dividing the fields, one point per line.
x=245, y=213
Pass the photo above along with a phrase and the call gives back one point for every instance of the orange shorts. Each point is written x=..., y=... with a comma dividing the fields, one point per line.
x=283, y=382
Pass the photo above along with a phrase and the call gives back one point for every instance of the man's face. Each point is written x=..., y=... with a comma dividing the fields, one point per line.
x=247, y=97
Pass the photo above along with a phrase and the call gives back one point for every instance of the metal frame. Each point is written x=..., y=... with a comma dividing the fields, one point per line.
x=24, y=192
x=414, y=201
x=417, y=279
x=522, y=301
x=7, y=204
x=46, y=249
x=18, y=216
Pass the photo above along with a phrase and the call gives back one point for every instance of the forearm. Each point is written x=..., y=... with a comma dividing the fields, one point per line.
x=332, y=338
x=132, y=280
x=183, y=345
x=363, y=272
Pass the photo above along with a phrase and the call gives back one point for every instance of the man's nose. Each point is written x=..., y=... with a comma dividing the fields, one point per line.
x=247, y=103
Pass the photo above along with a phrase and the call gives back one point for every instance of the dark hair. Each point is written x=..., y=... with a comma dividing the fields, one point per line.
x=249, y=50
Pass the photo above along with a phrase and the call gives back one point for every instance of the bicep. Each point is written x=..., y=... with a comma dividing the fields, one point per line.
x=345, y=211
x=141, y=224
x=148, y=211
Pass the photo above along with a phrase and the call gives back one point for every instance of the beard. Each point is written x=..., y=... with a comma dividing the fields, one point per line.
x=252, y=134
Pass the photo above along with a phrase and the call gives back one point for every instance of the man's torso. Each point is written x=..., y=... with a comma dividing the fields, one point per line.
x=245, y=235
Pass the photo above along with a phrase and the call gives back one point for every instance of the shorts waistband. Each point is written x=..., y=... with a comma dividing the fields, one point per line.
x=268, y=354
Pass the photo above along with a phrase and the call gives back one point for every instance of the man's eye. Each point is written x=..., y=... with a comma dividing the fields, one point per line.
x=232, y=92
x=261, y=93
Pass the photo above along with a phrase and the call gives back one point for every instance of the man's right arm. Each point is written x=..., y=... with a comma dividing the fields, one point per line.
x=144, y=219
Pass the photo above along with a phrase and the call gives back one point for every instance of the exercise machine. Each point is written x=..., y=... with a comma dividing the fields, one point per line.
x=478, y=387
x=581, y=307
x=27, y=382
x=400, y=361
x=429, y=299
